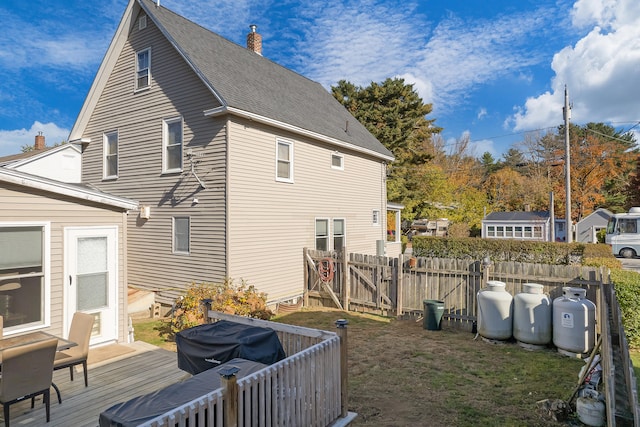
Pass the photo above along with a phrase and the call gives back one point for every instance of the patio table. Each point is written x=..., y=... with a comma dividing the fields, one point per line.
x=34, y=337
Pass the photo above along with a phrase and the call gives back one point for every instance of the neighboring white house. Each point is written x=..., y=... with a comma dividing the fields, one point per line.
x=517, y=225
x=61, y=163
x=238, y=162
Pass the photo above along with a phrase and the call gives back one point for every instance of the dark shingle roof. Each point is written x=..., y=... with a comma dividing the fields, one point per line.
x=6, y=160
x=517, y=216
x=255, y=84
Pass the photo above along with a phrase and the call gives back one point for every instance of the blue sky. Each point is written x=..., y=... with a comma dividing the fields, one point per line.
x=494, y=71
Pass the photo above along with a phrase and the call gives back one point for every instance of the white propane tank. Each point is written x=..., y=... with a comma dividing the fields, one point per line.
x=591, y=409
x=495, y=309
x=532, y=316
x=574, y=322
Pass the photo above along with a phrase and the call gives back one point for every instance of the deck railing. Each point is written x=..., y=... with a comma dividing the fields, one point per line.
x=304, y=389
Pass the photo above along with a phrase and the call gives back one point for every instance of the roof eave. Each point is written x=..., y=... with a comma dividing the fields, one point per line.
x=58, y=187
x=220, y=111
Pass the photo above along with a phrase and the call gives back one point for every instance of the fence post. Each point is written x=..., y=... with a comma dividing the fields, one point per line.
x=341, y=324
x=305, y=291
x=206, y=304
x=346, y=291
x=230, y=383
x=399, y=290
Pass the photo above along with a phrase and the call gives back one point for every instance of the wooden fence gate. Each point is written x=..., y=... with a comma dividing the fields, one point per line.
x=399, y=286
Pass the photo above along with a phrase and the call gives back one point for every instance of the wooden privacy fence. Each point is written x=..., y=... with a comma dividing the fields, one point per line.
x=399, y=286
x=621, y=393
x=307, y=388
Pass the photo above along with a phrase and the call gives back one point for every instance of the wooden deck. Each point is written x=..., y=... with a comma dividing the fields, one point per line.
x=145, y=370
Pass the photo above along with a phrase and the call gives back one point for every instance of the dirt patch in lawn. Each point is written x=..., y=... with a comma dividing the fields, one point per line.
x=403, y=375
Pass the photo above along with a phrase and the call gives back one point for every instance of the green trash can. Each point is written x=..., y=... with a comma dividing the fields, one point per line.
x=433, y=311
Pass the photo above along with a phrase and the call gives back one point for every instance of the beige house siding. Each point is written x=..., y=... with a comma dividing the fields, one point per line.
x=271, y=257
x=26, y=205
x=175, y=91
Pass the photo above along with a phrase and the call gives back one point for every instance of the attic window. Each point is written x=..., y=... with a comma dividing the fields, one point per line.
x=143, y=69
x=337, y=161
x=142, y=22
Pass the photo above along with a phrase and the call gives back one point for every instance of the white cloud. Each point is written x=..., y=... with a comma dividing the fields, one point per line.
x=49, y=43
x=600, y=70
x=478, y=148
x=360, y=41
x=12, y=141
x=482, y=113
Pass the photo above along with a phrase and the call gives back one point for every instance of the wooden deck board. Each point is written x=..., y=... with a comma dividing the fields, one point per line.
x=146, y=370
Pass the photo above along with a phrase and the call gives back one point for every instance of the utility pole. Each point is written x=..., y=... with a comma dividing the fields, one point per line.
x=567, y=176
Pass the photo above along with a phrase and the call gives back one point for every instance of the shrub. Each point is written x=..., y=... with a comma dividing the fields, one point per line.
x=226, y=297
x=627, y=286
x=499, y=249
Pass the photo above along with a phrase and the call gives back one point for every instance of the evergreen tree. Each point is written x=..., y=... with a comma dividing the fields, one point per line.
x=396, y=115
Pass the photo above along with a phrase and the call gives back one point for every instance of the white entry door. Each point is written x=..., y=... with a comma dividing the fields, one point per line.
x=91, y=273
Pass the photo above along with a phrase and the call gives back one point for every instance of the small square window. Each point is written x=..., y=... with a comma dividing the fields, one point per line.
x=181, y=234
x=375, y=220
x=337, y=161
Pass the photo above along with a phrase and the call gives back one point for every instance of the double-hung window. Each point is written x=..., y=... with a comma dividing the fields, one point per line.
x=172, y=145
x=110, y=141
x=143, y=69
x=23, y=263
x=181, y=235
x=322, y=234
x=333, y=238
x=338, y=234
x=284, y=161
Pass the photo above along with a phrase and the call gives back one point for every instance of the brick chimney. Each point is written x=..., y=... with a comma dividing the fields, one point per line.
x=39, y=144
x=254, y=40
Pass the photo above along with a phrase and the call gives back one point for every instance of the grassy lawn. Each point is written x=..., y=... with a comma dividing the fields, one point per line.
x=403, y=375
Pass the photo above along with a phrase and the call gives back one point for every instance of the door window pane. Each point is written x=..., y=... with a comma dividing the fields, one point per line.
x=92, y=274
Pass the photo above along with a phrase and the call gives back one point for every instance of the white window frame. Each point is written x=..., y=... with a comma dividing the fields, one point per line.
x=290, y=161
x=327, y=237
x=140, y=71
x=166, y=123
x=46, y=266
x=334, y=235
x=107, y=154
x=142, y=22
x=340, y=156
x=375, y=218
x=174, y=235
